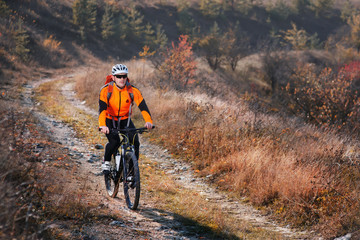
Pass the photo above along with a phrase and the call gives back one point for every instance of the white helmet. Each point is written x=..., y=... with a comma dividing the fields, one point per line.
x=119, y=68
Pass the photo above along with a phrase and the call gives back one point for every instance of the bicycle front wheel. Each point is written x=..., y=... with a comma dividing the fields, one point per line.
x=131, y=181
x=112, y=180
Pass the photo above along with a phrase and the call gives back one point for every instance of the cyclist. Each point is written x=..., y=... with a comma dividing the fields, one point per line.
x=115, y=110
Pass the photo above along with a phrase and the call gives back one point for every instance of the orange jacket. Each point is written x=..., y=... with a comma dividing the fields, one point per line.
x=119, y=104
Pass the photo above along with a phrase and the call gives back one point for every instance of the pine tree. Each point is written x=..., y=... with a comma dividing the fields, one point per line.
x=212, y=45
x=297, y=38
x=210, y=8
x=107, y=23
x=84, y=16
x=21, y=42
x=134, y=24
x=347, y=10
x=300, y=6
x=149, y=37
x=321, y=7
x=4, y=9
x=185, y=23
x=160, y=37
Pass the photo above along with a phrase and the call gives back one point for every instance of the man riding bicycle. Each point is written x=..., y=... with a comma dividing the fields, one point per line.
x=115, y=102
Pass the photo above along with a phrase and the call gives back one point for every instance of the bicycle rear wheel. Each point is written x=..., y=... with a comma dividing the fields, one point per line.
x=112, y=180
x=131, y=181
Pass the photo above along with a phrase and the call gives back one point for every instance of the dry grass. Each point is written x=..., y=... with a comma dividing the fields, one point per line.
x=193, y=209
x=31, y=190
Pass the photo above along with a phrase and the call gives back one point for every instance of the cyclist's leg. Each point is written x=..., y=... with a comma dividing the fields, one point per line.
x=111, y=146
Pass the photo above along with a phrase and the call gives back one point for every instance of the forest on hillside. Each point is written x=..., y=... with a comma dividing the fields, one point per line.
x=260, y=95
x=321, y=36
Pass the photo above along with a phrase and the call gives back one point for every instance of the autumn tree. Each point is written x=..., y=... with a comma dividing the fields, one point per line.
x=179, y=66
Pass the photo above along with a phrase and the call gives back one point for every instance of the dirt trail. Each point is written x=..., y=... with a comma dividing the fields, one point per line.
x=148, y=222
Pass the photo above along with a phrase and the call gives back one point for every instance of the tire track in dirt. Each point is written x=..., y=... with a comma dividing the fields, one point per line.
x=147, y=221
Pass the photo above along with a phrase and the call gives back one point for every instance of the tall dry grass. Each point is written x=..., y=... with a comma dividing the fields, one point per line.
x=303, y=174
x=30, y=190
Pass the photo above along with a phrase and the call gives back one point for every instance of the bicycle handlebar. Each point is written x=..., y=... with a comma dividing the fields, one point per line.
x=139, y=130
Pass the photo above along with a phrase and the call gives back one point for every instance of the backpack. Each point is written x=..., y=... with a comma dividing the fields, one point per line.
x=110, y=84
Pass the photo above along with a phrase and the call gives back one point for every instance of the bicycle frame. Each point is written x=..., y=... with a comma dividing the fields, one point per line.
x=126, y=168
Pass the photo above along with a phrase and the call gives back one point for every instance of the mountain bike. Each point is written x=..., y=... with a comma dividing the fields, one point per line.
x=125, y=168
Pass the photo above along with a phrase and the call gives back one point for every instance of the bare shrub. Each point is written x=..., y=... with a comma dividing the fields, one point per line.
x=277, y=68
x=327, y=98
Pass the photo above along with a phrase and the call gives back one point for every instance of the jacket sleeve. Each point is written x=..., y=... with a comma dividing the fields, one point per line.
x=140, y=102
x=102, y=106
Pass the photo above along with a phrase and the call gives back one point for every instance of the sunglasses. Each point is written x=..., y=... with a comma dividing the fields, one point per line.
x=121, y=76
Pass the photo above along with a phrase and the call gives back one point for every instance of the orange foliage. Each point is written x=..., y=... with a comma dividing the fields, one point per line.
x=52, y=43
x=179, y=65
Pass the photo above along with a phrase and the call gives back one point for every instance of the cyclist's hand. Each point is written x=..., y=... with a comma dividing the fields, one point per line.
x=104, y=129
x=148, y=125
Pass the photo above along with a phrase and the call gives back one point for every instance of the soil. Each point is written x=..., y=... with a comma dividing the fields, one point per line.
x=147, y=222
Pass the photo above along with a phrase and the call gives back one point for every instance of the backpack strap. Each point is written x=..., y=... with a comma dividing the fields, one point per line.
x=131, y=94
x=110, y=90
x=130, y=91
